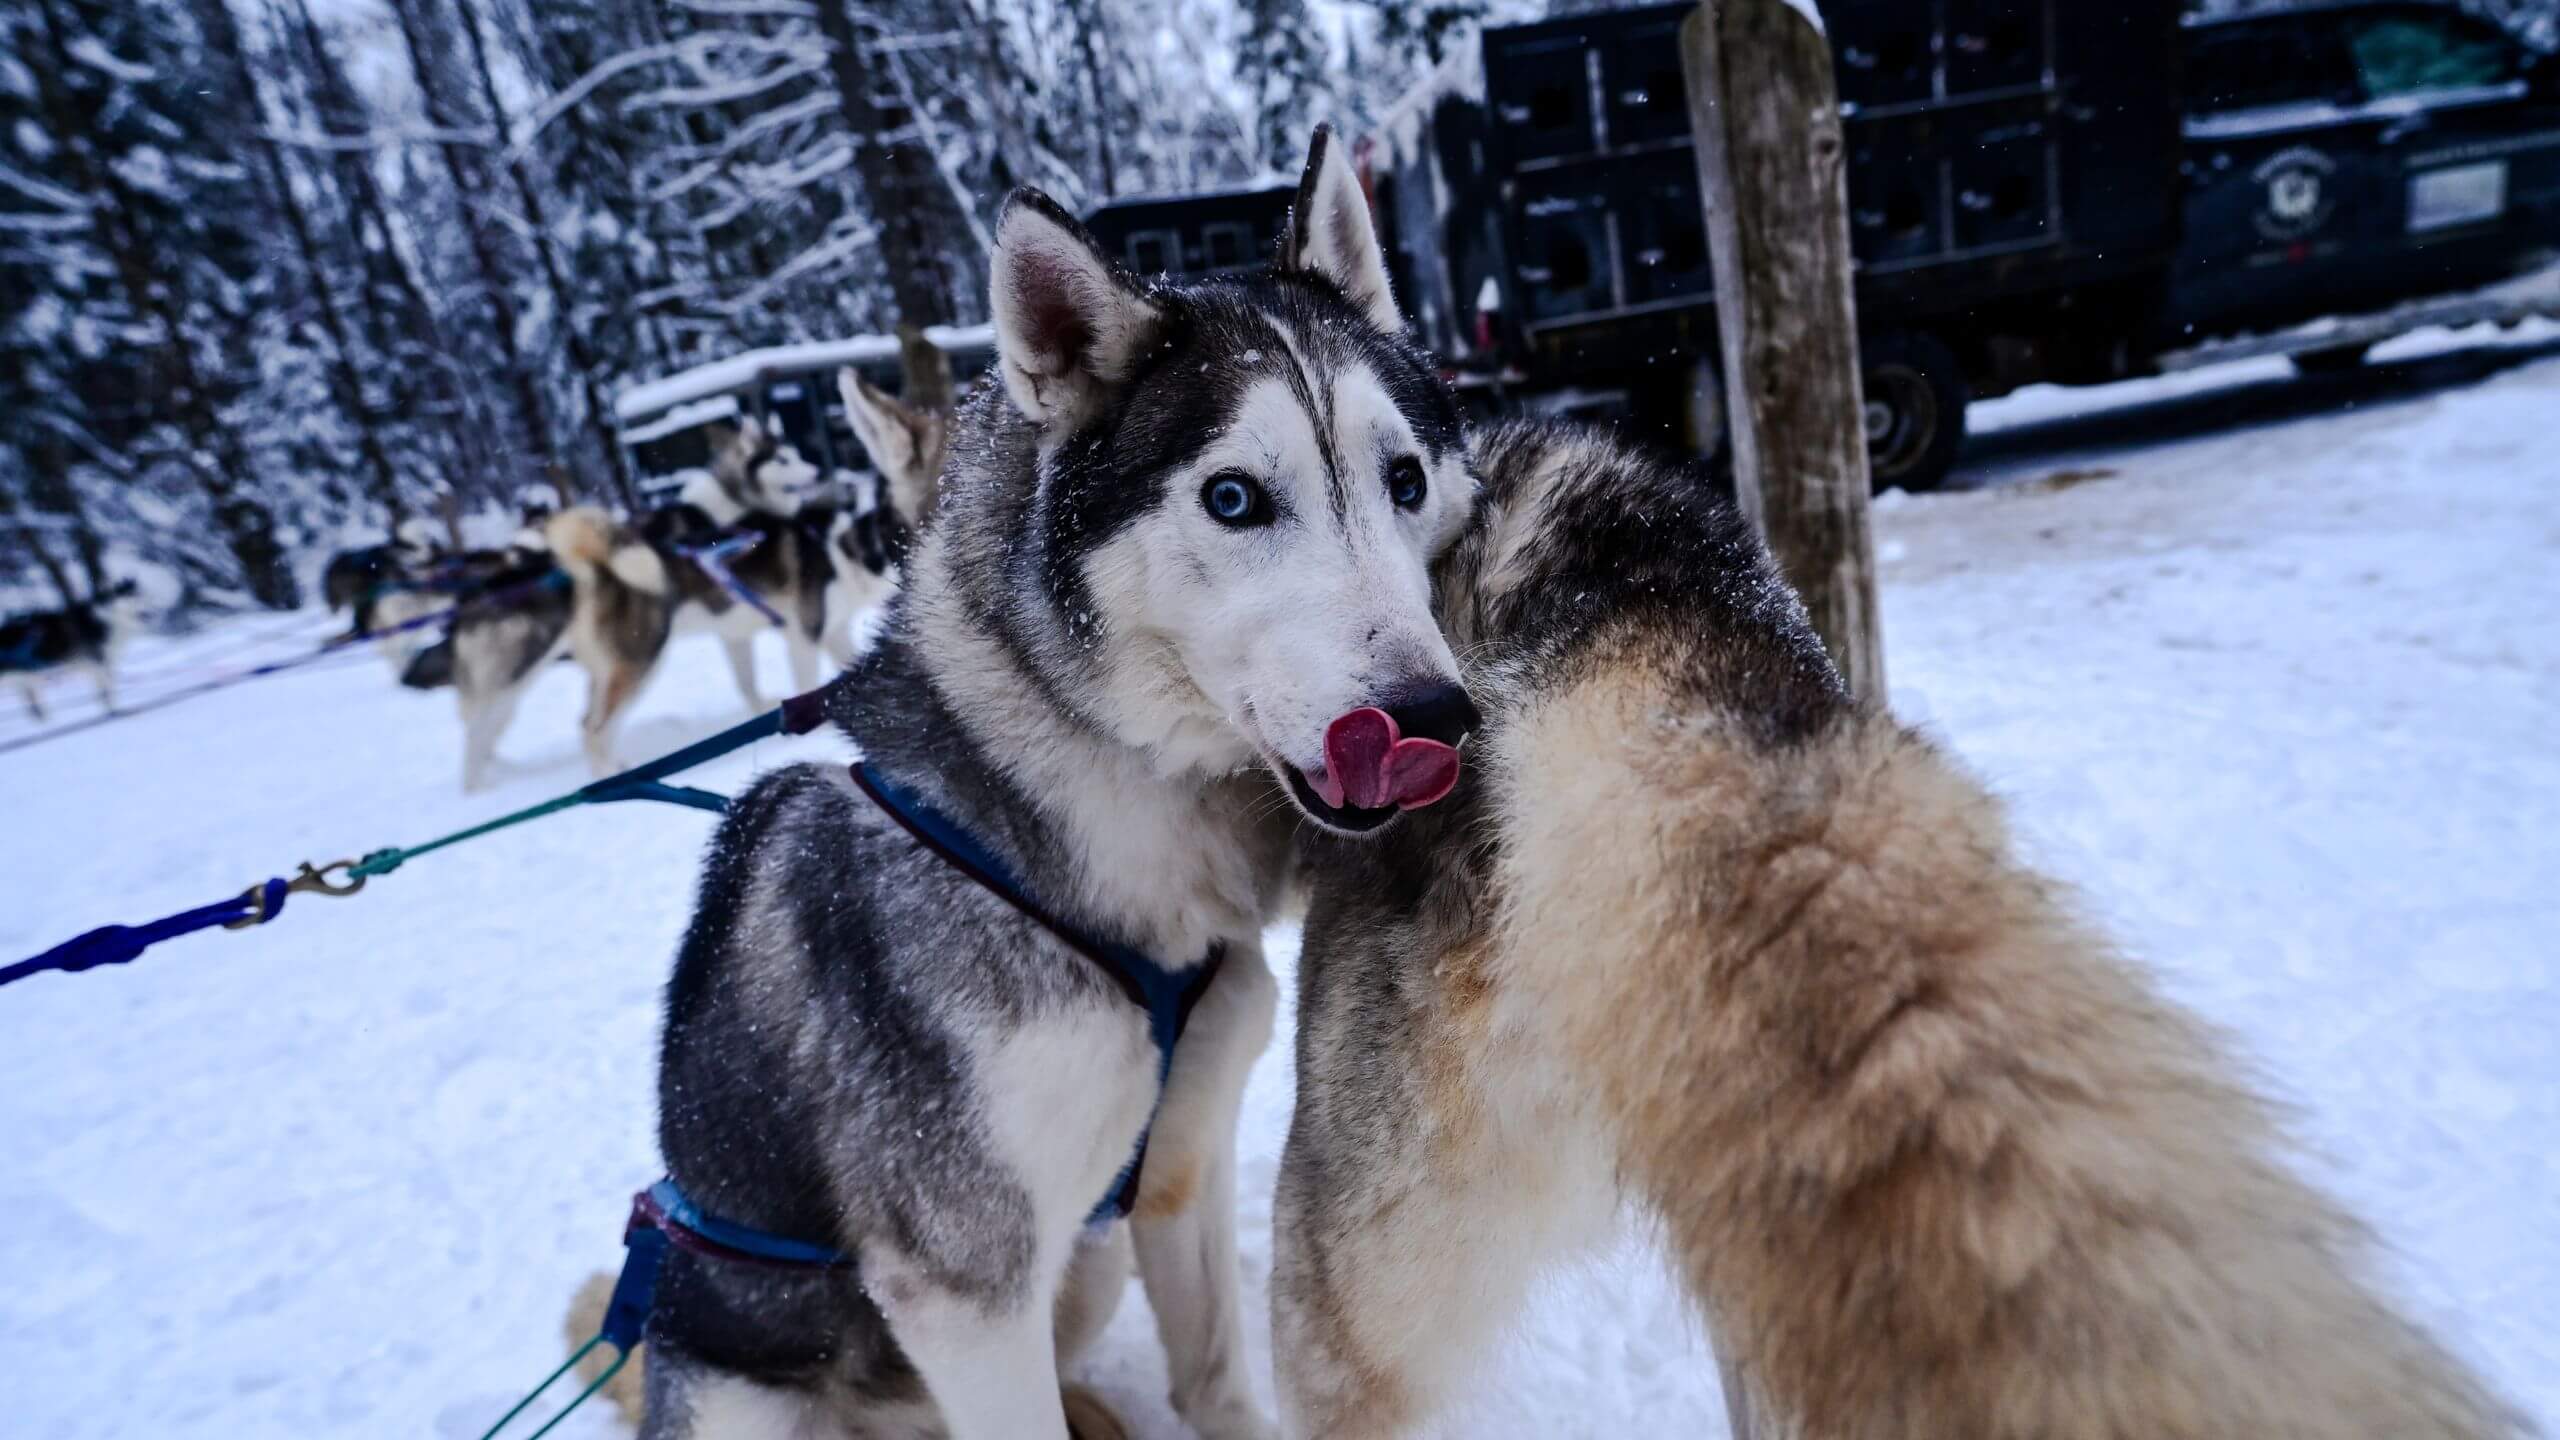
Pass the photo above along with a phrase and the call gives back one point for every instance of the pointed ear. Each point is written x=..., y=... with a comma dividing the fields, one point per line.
x=879, y=421
x=893, y=433
x=1068, y=323
x=1331, y=233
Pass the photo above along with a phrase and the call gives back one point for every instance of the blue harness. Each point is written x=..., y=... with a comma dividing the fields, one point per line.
x=662, y=1215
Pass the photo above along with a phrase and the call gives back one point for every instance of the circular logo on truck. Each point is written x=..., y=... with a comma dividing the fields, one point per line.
x=2295, y=193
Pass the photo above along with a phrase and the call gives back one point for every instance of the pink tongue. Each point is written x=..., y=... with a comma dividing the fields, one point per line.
x=1421, y=772
x=1356, y=747
x=1373, y=765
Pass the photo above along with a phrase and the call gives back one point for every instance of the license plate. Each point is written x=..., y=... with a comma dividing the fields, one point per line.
x=2462, y=195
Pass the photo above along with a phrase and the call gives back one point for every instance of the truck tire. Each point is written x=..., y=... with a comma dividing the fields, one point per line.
x=2337, y=360
x=1916, y=395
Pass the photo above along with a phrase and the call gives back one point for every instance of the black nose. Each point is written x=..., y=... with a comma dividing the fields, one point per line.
x=1435, y=712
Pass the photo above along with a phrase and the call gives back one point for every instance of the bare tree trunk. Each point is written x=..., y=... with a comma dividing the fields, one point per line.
x=470, y=188
x=215, y=456
x=224, y=33
x=1088, y=18
x=563, y=309
x=1771, y=171
x=13, y=521
x=51, y=495
x=407, y=331
x=901, y=193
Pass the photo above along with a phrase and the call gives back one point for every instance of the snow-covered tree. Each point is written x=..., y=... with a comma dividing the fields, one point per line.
x=137, y=278
x=271, y=278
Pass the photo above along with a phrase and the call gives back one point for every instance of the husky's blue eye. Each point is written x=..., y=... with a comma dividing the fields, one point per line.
x=1405, y=484
x=1234, y=499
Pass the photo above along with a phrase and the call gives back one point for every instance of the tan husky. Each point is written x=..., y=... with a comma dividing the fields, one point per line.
x=1705, y=933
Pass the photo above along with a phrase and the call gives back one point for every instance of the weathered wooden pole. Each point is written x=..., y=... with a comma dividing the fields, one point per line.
x=1772, y=175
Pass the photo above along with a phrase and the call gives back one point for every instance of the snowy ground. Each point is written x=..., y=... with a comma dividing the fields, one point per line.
x=2277, y=690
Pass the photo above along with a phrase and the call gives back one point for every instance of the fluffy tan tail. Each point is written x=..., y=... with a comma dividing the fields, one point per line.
x=1934, y=1161
x=586, y=1318
x=589, y=543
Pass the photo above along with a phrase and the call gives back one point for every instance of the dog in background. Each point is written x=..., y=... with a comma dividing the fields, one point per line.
x=818, y=564
x=354, y=579
x=510, y=616
x=1705, y=932
x=85, y=635
x=384, y=586
x=906, y=444
x=416, y=575
x=759, y=487
x=623, y=609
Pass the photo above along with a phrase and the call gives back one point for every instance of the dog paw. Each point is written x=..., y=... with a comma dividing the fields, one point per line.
x=1237, y=1420
x=1090, y=1418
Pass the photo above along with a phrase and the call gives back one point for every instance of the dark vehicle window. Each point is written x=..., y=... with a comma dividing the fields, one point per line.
x=684, y=450
x=2251, y=67
x=1153, y=251
x=1227, y=246
x=791, y=408
x=1551, y=107
x=2399, y=55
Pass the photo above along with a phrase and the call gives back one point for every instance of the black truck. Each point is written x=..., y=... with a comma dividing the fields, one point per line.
x=2012, y=188
x=2039, y=190
x=1188, y=236
x=2344, y=157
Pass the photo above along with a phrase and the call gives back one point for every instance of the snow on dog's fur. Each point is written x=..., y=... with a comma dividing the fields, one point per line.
x=1190, y=528
x=1704, y=932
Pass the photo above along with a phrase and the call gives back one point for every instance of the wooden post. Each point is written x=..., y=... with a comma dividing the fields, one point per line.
x=1772, y=175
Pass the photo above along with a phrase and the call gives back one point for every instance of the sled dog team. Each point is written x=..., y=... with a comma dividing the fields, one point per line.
x=745, y=547
x=1216, y=602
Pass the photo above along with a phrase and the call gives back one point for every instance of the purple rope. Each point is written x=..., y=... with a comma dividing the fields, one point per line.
x=338, y=646
x=714, y=562
x=119, y=944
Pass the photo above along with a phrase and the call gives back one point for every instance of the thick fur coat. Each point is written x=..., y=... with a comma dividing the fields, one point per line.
x=1704, y=933
x=1188, y=528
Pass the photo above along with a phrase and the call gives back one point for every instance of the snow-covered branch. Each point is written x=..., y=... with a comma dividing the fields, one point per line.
x=321, y=141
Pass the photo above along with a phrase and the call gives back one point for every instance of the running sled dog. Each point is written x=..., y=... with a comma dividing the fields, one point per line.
x=799, y=562
x=86, y=635
x=1705, y=933
x=624, y=590
x=815, y=564
x=1182, y=553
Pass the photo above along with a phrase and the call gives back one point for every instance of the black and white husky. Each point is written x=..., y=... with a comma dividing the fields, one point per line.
x=1184, y=541
x=676, y=568
x=509, y=619
x=358, y=580
x=762, y=493
x=85, y=636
